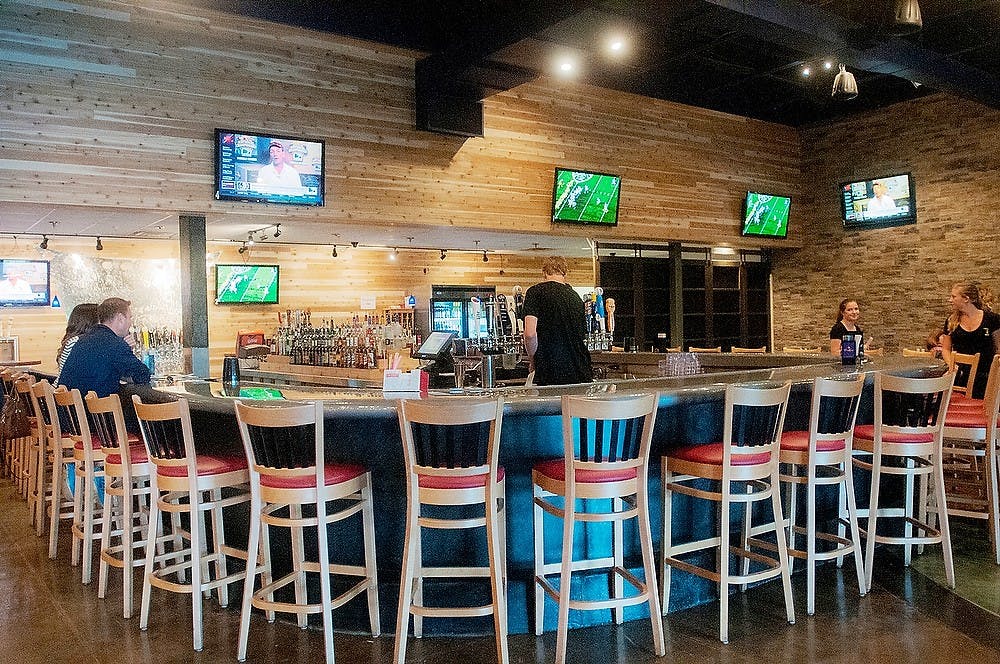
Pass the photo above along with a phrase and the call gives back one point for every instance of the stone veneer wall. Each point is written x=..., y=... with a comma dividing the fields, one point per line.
x=901, y=276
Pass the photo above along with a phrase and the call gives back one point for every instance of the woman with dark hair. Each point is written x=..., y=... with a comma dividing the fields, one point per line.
x=972, y=328
x=81, y=320
x=847, y=323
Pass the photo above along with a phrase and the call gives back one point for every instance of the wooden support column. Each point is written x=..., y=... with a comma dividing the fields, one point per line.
x=194, y=293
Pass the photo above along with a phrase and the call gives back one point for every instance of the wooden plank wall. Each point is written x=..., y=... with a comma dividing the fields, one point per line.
x=310, y=278
x=111, y=103
x=902, y=275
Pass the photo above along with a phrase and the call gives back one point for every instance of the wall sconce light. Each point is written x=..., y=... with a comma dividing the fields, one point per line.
x=99, y=246
x=44, y=244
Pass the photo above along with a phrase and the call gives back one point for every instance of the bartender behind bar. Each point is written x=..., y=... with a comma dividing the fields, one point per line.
x=555, y=329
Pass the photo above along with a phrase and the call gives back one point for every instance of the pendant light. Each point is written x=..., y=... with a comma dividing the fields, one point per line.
x=844, y=85
x=906, y=17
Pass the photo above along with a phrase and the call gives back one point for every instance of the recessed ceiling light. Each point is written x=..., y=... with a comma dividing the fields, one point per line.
x=565, y=66
x=827, y=65
x=806, y=71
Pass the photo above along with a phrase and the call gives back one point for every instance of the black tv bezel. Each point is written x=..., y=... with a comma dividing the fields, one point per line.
x=743, y=222
x=599, y=224
x=48, y=284
x=891, y=222
x=219, y=196
x=277, y=292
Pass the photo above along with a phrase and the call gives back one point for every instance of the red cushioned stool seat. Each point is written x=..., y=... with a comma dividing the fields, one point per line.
x=467, y=482
x=556, y=469
x=334, y=473
x=711, y=453
x=207, y=465
x=137, y=453
x=970, y=420
x=95, y=444
x=798, y=441
x=867, y=432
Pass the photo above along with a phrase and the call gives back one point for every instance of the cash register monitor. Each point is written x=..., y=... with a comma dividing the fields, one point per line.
x=437, y=344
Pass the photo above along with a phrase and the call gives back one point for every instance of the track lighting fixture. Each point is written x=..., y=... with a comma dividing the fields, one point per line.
x=444, y=254
x=100, y=247
x=250, y=240
x=354, y=244
x=393, y=254
x=277, y=230
x=243, y=249
x=44, y=244
x=486, y=259
x=334, y=254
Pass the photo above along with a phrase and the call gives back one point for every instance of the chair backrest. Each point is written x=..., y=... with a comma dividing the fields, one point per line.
x=696, y=349
x=966, y=367
x=167, y=432
x=285, y=440
x=49, y=426
x=916, y=352
x=607, y=433
x=107, y=424
x=834, y=409
x=991, y=403
x=7, y=376
x=911, y=406
x=738, y=349
x=801, y=349
x=754, y=417
x=72, y=418
x=456, y=437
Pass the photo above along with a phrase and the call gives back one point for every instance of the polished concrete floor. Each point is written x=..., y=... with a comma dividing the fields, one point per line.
x=47, y=616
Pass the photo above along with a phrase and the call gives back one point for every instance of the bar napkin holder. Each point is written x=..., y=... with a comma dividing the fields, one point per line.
x=394, y=380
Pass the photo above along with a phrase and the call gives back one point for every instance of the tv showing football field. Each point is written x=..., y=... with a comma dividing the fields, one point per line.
x=580, y=197
x=766, y=215
x=246, y=284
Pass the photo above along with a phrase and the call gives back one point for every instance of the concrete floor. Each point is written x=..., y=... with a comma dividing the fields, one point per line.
x=47, y=616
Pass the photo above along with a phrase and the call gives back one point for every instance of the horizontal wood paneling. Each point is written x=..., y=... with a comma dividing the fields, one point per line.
x=114, y=104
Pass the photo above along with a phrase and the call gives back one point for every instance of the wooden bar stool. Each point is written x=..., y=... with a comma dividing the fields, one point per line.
x=909, y=426
x=55, y=454
x=450, y=449
x=127, y=495
x=970, y=457
x=821, y=456
x=285, y=448
x=748, y=454
x=18, y=451
x=88, y=459
x=606, y=456
x=29, y=454
x=185, y=482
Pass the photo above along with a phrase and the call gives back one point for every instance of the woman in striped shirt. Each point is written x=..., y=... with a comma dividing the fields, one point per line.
x=81, y=320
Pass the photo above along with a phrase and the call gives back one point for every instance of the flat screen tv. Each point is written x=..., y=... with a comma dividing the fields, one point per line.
x=580, y=197
x=267, y=168
x=885, y=201
x=246, y=284
x=766, y=215
x=24, y=283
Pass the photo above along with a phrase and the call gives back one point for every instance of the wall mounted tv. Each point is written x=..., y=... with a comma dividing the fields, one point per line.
x=24, y=283
x=766, y=215
x=580, y=197
x=246, y=284
x=268, y=169
x=885, y=201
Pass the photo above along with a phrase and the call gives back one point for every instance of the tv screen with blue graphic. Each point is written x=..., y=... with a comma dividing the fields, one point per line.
x=265, y=168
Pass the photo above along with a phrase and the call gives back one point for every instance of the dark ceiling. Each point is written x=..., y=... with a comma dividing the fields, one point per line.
x=736, y=56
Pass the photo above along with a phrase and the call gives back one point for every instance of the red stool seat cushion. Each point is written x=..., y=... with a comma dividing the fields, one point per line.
x=333, y=473
x=95, y=444
x=711, y=453
x=137, y=453
x=798, y=441
x=465, y=482
x=207, y=465
x=556, y=469
x=969, y=420
x=867, y=431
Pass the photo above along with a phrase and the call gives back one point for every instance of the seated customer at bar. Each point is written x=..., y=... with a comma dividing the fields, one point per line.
x=847, y=323
x=555, y=329
x=82, y=320
x=102, y=358
x=972, y=328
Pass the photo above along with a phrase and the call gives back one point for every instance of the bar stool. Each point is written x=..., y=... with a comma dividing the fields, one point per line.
x=180, y=480
x=606, y=456
x=285, y=449
x=88, y=459
x=17, y=452
x=821, y=456
x=749, y=452
x=55, y=454
x=970, y=457
x=29, y=454
x=966, y=366
x=126, y=474
x=909, y=424
x=450, y=449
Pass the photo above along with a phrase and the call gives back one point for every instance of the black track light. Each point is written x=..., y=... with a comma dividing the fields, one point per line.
x=444, y=254
x=486, y=259
x=354, y=244
x=44, y=244
x=100, y=247
x=334, y=254
x=277, y=230
x=243, y=249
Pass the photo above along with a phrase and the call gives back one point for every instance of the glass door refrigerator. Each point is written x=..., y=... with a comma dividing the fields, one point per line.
x=451, y=310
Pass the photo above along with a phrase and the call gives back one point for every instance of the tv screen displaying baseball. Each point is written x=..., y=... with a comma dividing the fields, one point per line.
x=24, y=283
x=265, y=168
x=581, y=197
x=885, y=201
x=766, y=215
x=246, y=284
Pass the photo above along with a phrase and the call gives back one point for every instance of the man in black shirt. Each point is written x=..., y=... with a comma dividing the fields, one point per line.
x=554, y=329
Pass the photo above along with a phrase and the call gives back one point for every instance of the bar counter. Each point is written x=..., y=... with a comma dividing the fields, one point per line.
x=361, y=427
